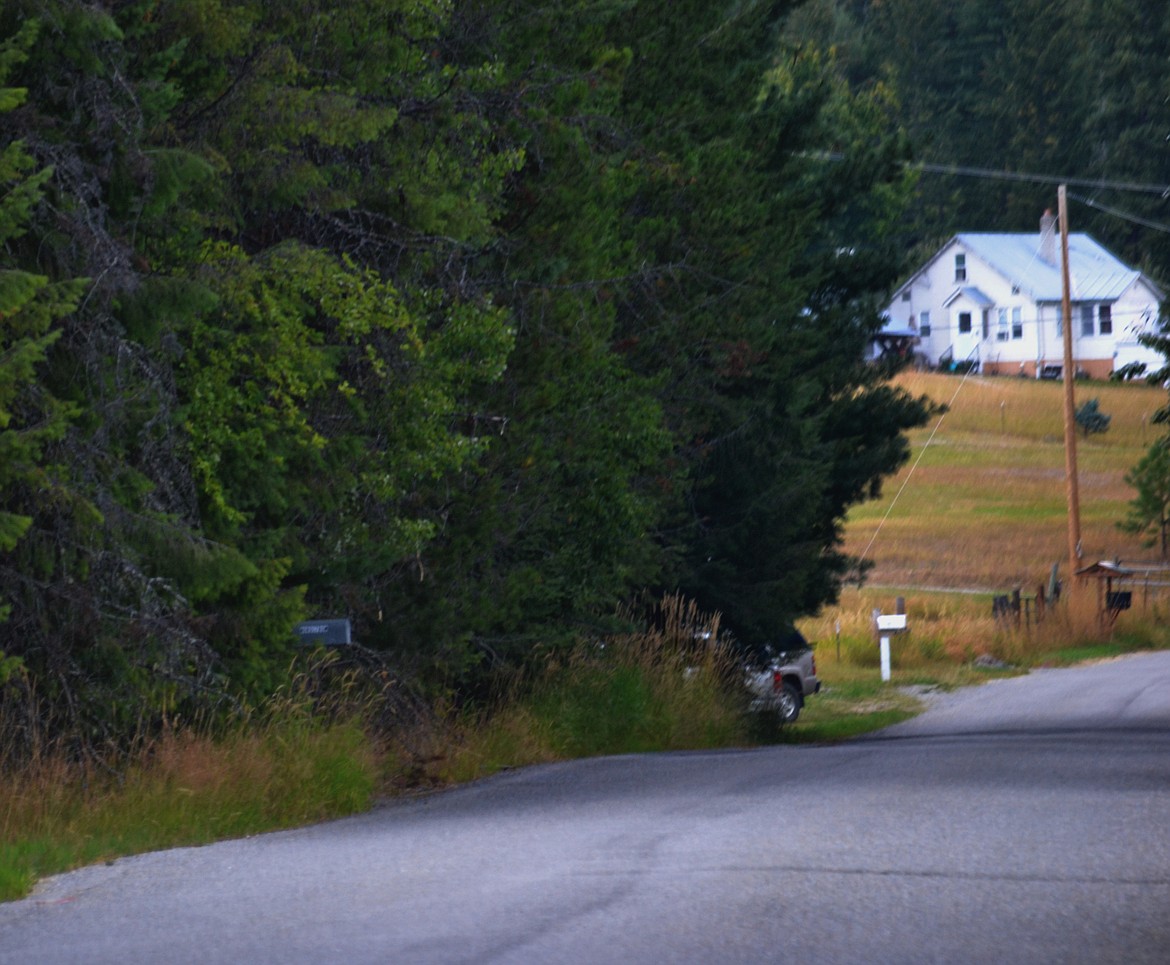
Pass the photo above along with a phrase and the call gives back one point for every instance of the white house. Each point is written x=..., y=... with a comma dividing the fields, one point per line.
x=994, y=300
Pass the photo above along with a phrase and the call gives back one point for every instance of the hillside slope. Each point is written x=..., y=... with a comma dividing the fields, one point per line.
x=985, y=506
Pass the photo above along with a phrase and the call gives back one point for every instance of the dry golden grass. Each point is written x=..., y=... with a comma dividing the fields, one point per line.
x=956, y=627
x=986, y=505
x=982, y=510
x=180, y=788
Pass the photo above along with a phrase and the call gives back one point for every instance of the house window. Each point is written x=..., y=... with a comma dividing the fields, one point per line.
x=1015, y=289
x=1105, y=317
x=906, y=295
x=960, y=267
x=1017, y=323
x=964, y=323
x=1001, y=334
x=1060, y=321
x=1088, y=326
x=924, y=324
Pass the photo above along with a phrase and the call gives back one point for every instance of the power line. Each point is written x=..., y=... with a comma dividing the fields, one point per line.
x=906, y=481
x=1125, y=216
x=1100, y=184
x=992, y=174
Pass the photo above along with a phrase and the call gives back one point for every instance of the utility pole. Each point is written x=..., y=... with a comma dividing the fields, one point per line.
x=1070, y=418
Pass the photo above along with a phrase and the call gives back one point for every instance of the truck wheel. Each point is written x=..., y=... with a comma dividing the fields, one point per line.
x=787, y=704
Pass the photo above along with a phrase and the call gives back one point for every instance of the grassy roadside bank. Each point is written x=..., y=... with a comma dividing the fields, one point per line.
x=184, y=788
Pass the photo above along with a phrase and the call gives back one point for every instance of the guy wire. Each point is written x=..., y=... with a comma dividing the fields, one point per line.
x=906, y=481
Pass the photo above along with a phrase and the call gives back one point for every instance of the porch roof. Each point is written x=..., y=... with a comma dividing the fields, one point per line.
x=971, y=293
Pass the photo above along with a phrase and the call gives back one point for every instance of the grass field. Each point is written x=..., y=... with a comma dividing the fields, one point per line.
x=981, y=509
x=986, y=505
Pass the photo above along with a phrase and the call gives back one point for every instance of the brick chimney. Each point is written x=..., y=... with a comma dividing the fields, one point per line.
x=1048, y=237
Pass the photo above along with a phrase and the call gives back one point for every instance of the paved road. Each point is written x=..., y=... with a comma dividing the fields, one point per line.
x=1027, y=820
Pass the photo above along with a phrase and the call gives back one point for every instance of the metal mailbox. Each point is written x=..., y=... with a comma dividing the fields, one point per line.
x=324, y=633
x=891, y=622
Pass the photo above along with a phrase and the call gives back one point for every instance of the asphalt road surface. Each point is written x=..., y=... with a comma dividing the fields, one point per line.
x=1027, y=820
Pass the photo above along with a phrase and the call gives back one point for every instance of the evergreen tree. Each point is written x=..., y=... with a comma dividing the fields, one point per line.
x=1126, y=119
x=772, y=266
x=1091, y=419
x=105, y=641
x=465, y=321
x=557, y=525
x=1075, y=89
x=30, y=303
x=1149, y=511
x=25, y=311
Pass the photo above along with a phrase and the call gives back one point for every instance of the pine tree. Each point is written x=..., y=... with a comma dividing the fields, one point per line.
x=1091, y=419
x=758, y=326
x=1149, y=511
x=29, y=305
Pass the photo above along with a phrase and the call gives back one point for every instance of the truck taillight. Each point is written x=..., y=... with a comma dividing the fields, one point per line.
x=777, y=681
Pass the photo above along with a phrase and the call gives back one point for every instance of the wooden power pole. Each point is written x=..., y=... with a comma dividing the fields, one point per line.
x=1070, y=417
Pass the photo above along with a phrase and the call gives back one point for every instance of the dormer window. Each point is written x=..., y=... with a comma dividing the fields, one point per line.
x=960, y=267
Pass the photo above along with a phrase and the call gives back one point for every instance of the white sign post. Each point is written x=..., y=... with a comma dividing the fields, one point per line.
x=890, y=623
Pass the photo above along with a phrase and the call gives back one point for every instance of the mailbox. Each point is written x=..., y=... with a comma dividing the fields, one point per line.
x=887, y=624
x=1119, y=600
x=891, y=622
x=324, y=633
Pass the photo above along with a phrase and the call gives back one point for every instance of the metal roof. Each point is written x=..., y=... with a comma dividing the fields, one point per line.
x=1106, y=567
x=1094, y=273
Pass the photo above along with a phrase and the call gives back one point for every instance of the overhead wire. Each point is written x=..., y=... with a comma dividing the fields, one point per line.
x=1162, y=190
x=1118, y=213
x=910, y=474
x=993, y=174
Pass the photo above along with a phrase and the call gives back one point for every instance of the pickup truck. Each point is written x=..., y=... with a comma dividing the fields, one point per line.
x=781, y=676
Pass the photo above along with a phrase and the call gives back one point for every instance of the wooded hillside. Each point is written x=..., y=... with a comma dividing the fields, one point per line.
x=1072, y=90
x=470, y=321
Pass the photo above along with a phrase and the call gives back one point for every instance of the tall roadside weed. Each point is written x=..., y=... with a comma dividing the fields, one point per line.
x=672, y=686
x=287, y=764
